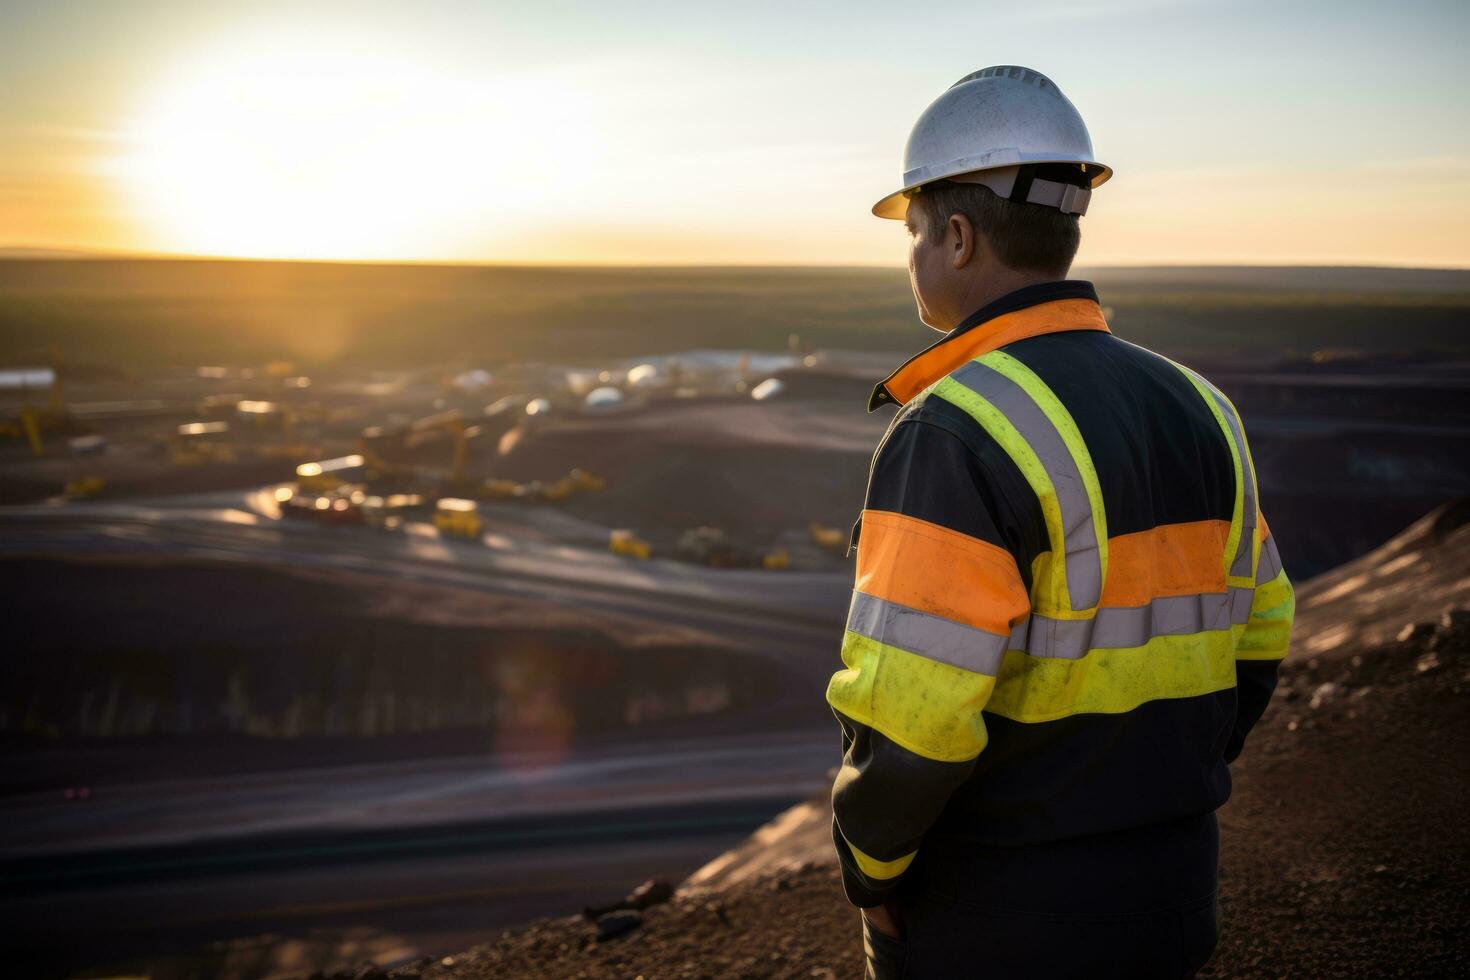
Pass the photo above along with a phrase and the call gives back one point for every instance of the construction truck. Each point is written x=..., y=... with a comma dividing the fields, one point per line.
x=459, y=518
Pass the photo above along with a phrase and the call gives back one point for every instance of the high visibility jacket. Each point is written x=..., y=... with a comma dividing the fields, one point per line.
x=1068, y=610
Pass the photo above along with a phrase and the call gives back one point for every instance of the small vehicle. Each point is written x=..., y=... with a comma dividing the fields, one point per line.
x=622, y=541
x=832, y=539
x=458, y=518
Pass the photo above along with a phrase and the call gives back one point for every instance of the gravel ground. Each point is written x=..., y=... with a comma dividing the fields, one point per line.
x=1344, y=852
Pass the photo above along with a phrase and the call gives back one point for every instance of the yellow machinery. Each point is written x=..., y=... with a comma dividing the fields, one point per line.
x=86, y=486
x=559, y=490
x=458, y=517
x=777, y=560
x=329, y=474
x=575, y=482
x=582, y=480
x=33, y=420
x=832, y=539
x=28, y=426
x=623, y=541
x=389, y=450
x=30, y=423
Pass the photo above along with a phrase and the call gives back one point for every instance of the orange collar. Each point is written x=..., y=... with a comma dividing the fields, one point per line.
x=1051, y=307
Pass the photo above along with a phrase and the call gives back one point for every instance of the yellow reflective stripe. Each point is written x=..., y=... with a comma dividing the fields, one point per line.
x=1251, y=519
x=1056, y=413
x=1048, y=570
x=880, y=870
x=1237, y=515
x=1112, y=681
x=1268, y=633
x=1250, y=461
x=930, y=708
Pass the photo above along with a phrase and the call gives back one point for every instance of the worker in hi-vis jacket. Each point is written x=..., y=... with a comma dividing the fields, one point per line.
x=1068, y=610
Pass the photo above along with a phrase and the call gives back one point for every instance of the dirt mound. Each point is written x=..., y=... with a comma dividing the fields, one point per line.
x=800, y=837
x=1342, y=851
x=1416, y=578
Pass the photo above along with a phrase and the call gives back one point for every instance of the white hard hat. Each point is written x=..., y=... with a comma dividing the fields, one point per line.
x=1009, y=128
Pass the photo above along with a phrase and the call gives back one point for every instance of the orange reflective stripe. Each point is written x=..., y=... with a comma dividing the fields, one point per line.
x=1054, y=317
x=1168, y=560
x=936, y=570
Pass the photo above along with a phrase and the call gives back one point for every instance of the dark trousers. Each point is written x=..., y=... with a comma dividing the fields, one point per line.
x=1136, y=904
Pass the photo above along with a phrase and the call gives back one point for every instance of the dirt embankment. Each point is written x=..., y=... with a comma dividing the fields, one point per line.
x=1343, y=846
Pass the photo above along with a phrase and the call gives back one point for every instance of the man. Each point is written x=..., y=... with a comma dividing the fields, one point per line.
x=1068, y=610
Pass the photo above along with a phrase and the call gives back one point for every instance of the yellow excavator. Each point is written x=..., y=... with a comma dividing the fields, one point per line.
x=385, y=449
x=34, y=420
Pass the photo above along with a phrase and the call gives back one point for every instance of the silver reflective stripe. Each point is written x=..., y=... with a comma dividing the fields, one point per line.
x=957, y=644
x=1241, y=601
x=1083, y=562
x=1270, y=566
x=1124, y=627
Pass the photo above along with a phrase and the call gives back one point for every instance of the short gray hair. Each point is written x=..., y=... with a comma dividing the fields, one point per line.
x=1026, y=237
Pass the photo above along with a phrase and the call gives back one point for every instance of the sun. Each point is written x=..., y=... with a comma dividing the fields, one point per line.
x=320, y=151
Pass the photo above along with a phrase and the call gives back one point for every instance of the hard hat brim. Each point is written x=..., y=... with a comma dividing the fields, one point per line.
x=896, y=205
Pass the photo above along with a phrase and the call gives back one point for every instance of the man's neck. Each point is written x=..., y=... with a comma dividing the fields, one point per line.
x=984, y=290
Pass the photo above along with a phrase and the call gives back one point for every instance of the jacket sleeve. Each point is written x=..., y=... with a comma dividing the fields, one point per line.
x=935, y=598
x=1264, y=642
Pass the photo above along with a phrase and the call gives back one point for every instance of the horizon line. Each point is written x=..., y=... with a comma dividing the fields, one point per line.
x=27, y=253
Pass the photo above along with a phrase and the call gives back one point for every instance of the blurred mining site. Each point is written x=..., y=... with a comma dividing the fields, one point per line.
x=338, y=663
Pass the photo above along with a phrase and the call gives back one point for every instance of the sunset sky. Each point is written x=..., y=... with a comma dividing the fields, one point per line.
x=677, y=132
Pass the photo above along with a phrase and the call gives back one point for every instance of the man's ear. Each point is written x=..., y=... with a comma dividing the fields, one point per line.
x=961, y=240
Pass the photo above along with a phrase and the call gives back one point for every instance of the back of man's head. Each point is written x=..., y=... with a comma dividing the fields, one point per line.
x=1030, y=238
